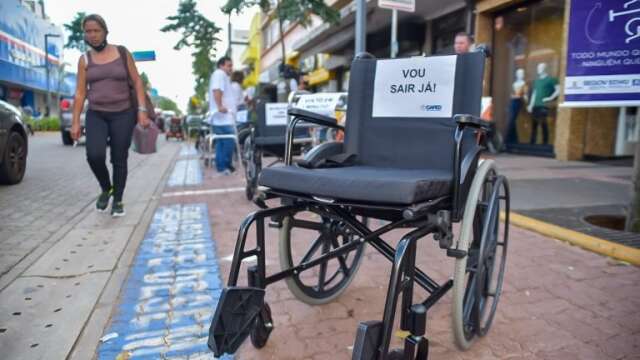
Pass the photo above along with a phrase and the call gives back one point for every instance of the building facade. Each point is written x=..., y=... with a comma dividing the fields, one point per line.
x=28, y=69
x=529, y=43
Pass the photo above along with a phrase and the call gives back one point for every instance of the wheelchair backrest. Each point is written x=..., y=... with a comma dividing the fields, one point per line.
x=272, y=119
x=401, y=111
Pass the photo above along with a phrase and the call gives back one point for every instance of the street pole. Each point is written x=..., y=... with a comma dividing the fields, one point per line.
x=394, y=33
x=229, y=53
x=361, y=26
x=47, y=71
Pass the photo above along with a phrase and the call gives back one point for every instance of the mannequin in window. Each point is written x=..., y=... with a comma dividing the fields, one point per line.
x=518, y=98
x=545, y=90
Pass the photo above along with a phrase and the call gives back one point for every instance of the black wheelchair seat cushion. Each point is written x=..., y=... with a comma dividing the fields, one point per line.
x=360, y=183
x=271, y=140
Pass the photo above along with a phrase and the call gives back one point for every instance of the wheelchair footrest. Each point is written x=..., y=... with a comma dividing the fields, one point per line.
x=368, y=339
x=234, y=318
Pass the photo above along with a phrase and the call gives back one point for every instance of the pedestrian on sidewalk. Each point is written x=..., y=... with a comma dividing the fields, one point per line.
x=104, y=74
x=222, y=109
x=462, y=43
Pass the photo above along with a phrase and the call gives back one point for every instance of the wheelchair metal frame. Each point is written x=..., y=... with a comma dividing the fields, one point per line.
x=431, y=217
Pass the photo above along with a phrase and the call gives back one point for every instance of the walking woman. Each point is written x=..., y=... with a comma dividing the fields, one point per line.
x=103, y=78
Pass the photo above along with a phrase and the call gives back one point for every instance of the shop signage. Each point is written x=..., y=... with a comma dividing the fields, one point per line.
x=402, y=5
x=148, y=55
x=416, y=87
x=603, y=59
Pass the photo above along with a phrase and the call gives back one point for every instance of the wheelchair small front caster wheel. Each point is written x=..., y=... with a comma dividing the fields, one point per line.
x=262, y=328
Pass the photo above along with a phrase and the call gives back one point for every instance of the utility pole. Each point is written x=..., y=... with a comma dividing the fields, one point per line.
x=394, y=33
x=361, y=26
x=46, y=67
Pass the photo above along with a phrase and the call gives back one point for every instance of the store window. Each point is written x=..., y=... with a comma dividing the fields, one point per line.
x=444, y=31
x=525, y=76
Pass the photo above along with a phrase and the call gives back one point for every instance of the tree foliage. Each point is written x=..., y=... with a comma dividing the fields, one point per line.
x=288, y=10
x=165, y=103
x=75, y=40
x=145, y=81
x=199, y=34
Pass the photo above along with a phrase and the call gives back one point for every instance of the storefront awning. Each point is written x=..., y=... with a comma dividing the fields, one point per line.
x=327, y=38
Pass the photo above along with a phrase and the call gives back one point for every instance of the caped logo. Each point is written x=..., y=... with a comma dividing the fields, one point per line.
x=431, y=107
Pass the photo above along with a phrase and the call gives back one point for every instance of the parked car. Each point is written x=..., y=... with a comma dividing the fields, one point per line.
x=66, y=115
x=13, y=144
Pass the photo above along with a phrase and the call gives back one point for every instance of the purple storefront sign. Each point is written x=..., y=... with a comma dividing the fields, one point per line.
x=603, y=59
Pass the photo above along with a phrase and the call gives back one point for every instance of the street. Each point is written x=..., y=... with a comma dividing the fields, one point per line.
x=82, y=275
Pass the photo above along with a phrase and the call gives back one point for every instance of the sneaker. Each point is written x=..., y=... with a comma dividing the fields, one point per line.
x=226, y=172
x=103, y=200
x=232, y=169
x=117, y=209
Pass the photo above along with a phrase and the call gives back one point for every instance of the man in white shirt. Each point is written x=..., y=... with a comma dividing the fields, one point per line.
x=222, y=110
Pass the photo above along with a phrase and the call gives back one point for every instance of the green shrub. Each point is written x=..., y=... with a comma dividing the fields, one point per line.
x=45, y=124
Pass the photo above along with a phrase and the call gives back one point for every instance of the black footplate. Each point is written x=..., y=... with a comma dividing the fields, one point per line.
x=367, y=340
x=234, y=319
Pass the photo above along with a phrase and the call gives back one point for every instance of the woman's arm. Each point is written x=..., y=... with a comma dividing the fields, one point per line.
x=78, y=102
x=140, y=90
x=137, y=80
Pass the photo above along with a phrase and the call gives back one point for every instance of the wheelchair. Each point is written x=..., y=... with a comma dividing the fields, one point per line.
x=421, y=174
x=267, y=140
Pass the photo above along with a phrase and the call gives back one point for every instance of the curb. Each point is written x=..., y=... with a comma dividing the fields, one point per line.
x=588, y=242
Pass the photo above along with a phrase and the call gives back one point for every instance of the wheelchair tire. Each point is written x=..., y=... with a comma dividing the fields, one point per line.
x=473, y=311
x=252, y=161
x=331, y=232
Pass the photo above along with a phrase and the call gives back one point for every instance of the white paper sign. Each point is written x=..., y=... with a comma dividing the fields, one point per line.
x=241, y=116
x=276, y=114
x=420, y=87
x=320, y=103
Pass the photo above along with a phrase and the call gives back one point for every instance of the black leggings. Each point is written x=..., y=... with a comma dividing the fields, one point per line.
x=116, y=128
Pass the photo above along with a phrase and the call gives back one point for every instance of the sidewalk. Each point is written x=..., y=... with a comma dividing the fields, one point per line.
x=59, y=297
x=555, y=196
x=559, y=302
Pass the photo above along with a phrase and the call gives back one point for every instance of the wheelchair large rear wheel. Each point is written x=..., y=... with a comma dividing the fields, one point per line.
x=478, y=276
x=252, y=161
x=305, y=236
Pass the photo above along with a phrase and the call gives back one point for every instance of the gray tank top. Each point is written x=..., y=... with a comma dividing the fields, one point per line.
x=108, y=87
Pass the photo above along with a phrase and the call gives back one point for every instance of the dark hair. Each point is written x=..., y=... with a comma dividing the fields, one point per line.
x=465, y=34
x=237, y=76
x=97, y=18
x=223, y=60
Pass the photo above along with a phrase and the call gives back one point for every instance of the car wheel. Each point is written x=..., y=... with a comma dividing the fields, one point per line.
x=66, y=137
x=14, y=159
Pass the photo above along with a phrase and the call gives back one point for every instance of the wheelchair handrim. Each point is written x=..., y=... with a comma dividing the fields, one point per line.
x=302, y=290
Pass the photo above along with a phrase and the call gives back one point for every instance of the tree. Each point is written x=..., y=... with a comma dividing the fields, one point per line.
x=633, y=218
x=198, y=33
x=165, y=103
x=299, y=11
x=76, y=33
x=145, y=81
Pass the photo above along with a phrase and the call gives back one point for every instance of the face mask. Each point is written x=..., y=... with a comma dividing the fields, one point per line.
x=98, y=47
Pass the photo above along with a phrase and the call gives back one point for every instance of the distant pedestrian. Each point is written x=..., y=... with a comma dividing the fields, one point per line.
x=237, y=77
x=222, y=108
x=103, y=78
x=462, y=43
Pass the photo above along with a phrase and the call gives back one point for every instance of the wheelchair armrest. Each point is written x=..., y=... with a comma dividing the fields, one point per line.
x=315, y=118
x=472, y=121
